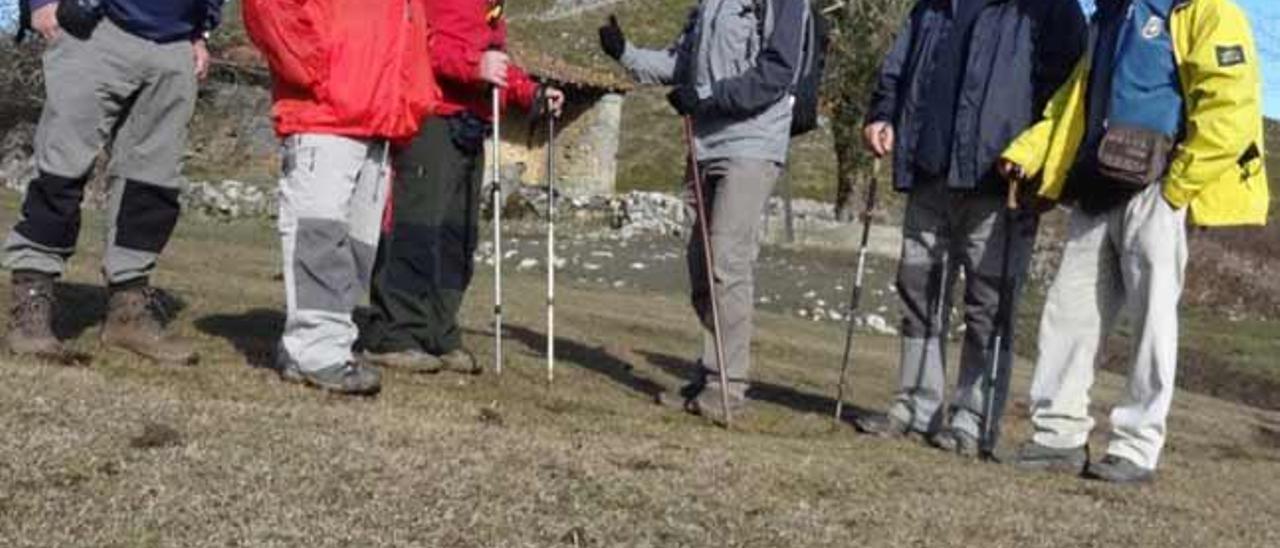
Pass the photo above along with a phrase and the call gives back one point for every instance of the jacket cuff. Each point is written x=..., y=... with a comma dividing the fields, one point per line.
x=1177, y=195
x=37, y=4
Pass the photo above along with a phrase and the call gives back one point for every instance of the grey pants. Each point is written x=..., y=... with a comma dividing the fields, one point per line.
x=736, y=191
x=1133, y=258
x=112, y=88
x=946, y=233
x=331, y=203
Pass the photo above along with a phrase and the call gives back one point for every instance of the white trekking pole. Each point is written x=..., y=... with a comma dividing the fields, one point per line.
x=855, y=298
x=551, y=245
x=496, y=191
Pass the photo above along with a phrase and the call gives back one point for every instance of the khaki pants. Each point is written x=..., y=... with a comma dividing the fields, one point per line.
x=736, y=191
x=1133, y=258
x=114, y=89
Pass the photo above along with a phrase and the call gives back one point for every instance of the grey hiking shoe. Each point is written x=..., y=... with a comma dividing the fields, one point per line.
x=1039, y=458
x=461, y=361
x=956, y=441
x=882, y=425
x=135, y=322
x=415, y=361
x=1119, y=470
x=348, y=379
x=709, y=405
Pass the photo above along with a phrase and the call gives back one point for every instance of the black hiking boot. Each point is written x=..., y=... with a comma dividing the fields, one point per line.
x=31, y=309
x=414, y=361
x=349, y=379
x=1039, y=458
x=136, y=318
x=1119, y=470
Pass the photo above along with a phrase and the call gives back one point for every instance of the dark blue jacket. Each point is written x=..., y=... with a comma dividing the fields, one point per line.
x=1021, y=52
x=160, y=21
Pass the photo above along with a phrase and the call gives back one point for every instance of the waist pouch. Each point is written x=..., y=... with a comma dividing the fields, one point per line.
x=468, y=132
x=80, y=17
x=1134, y=157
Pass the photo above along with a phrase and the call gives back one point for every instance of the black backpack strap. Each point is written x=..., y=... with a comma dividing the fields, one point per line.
x=24, y=21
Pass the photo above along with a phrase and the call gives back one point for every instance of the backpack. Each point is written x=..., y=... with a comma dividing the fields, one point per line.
x=806, y=90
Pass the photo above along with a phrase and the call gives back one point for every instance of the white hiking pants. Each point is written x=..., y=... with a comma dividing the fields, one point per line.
x=331, y=202
x=1133, y=258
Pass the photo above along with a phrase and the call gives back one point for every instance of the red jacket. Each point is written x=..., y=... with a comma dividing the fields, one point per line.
x=460, y=35
x=359, y=68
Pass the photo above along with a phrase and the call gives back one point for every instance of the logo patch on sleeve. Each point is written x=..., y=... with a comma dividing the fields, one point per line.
x=1230, y=56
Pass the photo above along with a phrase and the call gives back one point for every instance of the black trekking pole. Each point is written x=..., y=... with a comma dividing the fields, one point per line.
x=1004, y=319
x=709, y=265
x=856, y=298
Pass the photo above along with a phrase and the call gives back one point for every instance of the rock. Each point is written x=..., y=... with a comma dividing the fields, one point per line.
x=527, y=264
x=638, y=266
x=590, y=267
x=878, y=324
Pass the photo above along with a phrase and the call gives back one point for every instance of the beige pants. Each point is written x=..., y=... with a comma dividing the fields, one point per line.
x=1131, y=258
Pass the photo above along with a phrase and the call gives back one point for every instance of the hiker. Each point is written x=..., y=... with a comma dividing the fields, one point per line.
x=962, y=79
x=339, y=111
x=1161, y=123
x=426, y=261
x=123, y=73
x=731, y=69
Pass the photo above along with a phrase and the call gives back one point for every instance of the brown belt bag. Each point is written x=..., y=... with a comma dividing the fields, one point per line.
x=1134, y=157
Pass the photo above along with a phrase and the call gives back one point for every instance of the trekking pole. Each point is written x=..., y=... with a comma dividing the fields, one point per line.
x=496, y=192
x=708, y=259
x=1004, y=319
x=551, y=245
x=856, y=298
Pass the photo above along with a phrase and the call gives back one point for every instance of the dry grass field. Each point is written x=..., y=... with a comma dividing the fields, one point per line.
x=123, y=453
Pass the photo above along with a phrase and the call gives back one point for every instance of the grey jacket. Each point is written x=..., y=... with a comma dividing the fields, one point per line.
x=747, y=74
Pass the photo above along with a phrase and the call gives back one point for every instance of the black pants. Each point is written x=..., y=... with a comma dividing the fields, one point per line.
x=425, y=264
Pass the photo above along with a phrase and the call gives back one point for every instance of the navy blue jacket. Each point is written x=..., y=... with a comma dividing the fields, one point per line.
x=1020, y=52
x=160, y=21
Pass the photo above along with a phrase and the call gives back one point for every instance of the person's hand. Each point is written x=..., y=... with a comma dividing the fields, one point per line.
x=1010, y=171
x=879, y=138
x=685, y=100
x=45, y=21
x=612, y=40
x=200, y=50
x=493, y=67
x=555, y=101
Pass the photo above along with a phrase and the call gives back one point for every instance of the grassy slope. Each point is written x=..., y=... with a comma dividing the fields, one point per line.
x=447, y=461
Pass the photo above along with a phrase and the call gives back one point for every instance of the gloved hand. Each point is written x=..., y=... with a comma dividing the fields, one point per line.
x=686, y=102
x=612, y=41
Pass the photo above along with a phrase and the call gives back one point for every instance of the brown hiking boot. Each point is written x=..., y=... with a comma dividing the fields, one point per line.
x=31, y=307
x=461, y=361
x=135, y=322
x=414, y=361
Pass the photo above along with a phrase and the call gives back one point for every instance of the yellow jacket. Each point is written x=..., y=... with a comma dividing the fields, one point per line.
x=1223, y=122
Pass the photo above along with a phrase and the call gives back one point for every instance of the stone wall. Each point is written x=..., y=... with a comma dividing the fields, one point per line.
x=587, y=142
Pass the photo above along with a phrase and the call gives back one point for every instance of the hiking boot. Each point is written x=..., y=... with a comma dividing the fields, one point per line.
x=708, y=405
x=461, y=361
x=31, y=308
x=882, y=425
x=135, y=322
x=348, y=379
x=414, y=361
x=680, y=398
x=1119, y=470
x=955, y=441
x=1039, y=458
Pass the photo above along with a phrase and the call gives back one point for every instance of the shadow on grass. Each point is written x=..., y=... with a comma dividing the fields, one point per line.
x=253, y=333
x=600, y=360
x=783, y=396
